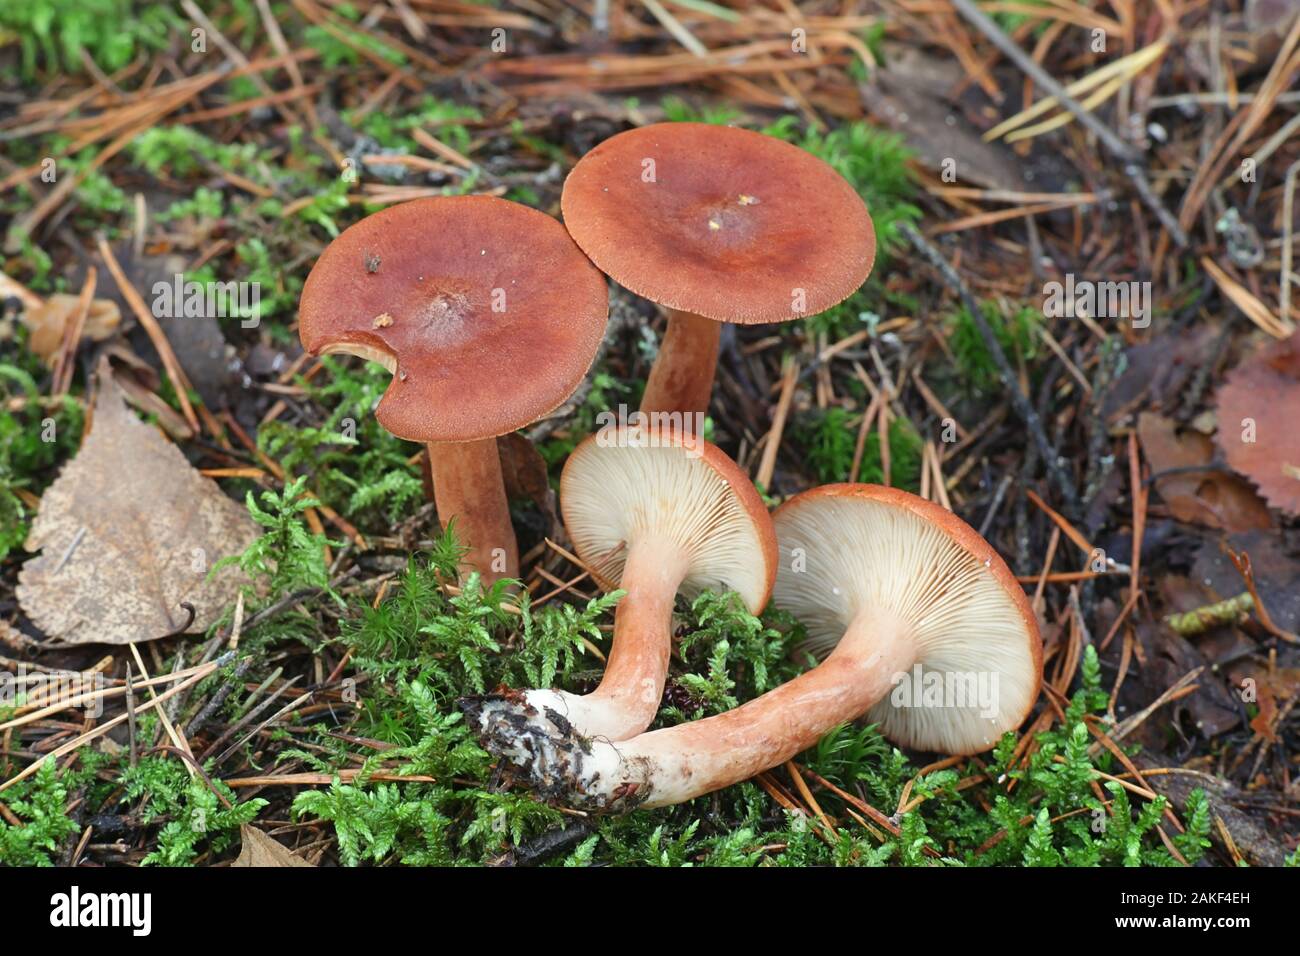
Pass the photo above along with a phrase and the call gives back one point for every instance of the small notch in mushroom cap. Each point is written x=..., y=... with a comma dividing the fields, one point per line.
x=464, y=370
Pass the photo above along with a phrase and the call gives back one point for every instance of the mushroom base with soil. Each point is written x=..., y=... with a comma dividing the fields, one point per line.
x=632, y=686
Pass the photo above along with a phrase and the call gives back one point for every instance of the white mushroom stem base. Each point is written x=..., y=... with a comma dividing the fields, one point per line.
x=633, y=684
x=469, y=491
x=679, y=763
x=682, y=377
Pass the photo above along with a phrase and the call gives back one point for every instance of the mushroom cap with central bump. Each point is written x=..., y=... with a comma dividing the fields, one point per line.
x=722, y=222
x=485, y=311
x=631, y=483
x=893, y=557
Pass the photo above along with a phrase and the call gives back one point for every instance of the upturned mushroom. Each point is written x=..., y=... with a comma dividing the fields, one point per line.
x=487, y=315
x=657, y=512
x=924, y=628
x=716, y=224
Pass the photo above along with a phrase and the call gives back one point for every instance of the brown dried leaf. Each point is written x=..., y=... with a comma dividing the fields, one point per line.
x=1210, y=498
x=1259, y=404
x=1169, y=656
x=1270, y=688
x=1157, y=372
x=913, y=94
x=1275, y=567
x=197, y=340
x=127, y=532
x=47, y=323
x=261, y=850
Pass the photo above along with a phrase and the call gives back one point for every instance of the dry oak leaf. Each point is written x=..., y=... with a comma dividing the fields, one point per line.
x=1212, y=498
x=261, y=850
x=1259, y=422
x=127, y=532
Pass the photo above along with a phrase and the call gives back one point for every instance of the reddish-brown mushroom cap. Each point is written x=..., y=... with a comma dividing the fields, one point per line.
x=485, y=311
x=722, y=222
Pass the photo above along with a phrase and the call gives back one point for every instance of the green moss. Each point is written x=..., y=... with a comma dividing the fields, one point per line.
x=1016, y=332
x=354, y=464
x=53, y=33
x=437, y=116
x=829, y=441
x=33, y=439
x=677, y=110
x=196, y=818
x=39, y=803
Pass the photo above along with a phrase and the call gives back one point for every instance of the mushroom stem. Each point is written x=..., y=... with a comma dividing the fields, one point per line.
x=468, y=487
x=679, y=763
x=625, y=702
x=682, y=377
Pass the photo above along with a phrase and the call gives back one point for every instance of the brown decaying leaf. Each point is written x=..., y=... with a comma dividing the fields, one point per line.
x=47, y=323
x=1272, y=688
x=912, y=93
x=1209, y=498
x=197, y=340
x=1265, y=390
x=261, y=850
x=128, y=531
x=1275, y=566
x=1158, y=371
x=1210, y=708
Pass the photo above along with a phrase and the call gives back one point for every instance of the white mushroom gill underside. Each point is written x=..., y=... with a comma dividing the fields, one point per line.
x=613, y=496
x=860, y=555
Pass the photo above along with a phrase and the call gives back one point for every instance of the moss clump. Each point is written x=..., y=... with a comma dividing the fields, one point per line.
x=829, y=441
x=1016, y=331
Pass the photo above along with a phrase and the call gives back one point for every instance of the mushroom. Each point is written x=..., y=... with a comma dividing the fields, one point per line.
x=901, y=596
x=487, y=315
x=657, y=512
x=716, y=224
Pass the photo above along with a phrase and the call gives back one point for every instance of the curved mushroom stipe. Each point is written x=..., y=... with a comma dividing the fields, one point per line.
x=653, y=520
x=628, y=696
x=681, y=379
x=676, y=764
x=941, y=570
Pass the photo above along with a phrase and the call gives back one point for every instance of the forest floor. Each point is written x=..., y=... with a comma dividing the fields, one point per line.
x=1133, y=459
